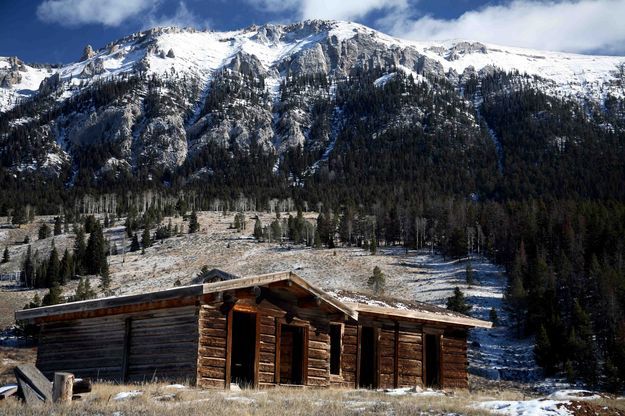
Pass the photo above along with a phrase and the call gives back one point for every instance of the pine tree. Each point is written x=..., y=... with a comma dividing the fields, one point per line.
x=134, y=244
x=258, y=229
x=377, y=281
x=84, y=290
x=5, y=256
x=80, y=247
x=19, y=216
x=58, y=226
x=194, y=225
x=317, y=239
x=54, y=267
x=95, y=254
x=543, y=352
x=54, y=296
x=146, y=238
x=28, y=268
x=276, y=231
x=469, y=273
x=457, y=302
x=44, y=231
x=373, y=247
x=67, y=267
x=492, y=316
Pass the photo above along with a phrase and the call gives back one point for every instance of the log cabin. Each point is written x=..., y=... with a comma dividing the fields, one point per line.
x=258, y=331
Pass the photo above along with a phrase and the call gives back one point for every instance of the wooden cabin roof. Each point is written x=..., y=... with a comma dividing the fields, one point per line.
x=278, y=282
x=282, y=287
x=399, y=308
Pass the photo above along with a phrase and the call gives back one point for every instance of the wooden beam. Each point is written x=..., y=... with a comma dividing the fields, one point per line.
x=228, y=376
x=257, y=351
x=358, y=354
x=110, y=302
x=126, y=351
x=276, y=375
x=309, y=302
x=396, y=357
x=31, y=380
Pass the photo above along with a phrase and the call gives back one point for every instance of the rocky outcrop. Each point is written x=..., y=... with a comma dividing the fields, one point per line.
x=94, y=67
x=87, y=53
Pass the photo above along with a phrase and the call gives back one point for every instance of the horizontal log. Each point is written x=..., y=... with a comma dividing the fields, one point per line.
x=267, y=338
x=455, y=374
x=317, y=381
x=212, y=362
x=350, y=339
x=349, y=349
x=316, y=363
x=410, y=351
x=266, y=367
x=265, y=377
x=214, y=352
x=410, y=338
x=211, y=383
x=268, y=347
x=268, y=329
x=386, y=381
x=455, y=359
x=319, y=372
x=267, y=357
x=387, y=362
x=212, y=372
x=318, y=345
x=212, y=342
x=319, y=354
x=350, y=330
x=321, y=337
x=213, y=332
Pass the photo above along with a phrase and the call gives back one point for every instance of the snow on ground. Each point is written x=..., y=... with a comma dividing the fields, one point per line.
x=127, y=395
x=535, y=407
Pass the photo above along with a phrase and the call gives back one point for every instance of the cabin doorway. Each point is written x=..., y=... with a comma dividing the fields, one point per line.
x=292, y=354
x=243, y=352
x=368, y=361
x=432, y=351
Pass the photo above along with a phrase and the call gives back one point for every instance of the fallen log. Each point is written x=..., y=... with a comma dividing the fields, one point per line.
x=82, y=386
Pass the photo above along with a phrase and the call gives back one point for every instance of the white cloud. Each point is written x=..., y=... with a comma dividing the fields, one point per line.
x=182, y=18
x=573, y=26
x=79, y=12
x=330, y=9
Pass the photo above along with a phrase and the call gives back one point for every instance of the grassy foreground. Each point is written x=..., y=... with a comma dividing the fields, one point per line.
x=160, y=399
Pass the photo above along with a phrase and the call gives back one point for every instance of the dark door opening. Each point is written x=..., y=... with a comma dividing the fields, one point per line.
x=291, y=354
x=368, y=362
x=243, y=348
x=335, y=349
x=432, y=360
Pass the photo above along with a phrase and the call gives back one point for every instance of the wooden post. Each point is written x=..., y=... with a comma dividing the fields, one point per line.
x=63, y=388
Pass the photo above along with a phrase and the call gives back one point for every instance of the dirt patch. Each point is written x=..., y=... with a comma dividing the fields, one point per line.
x=588, y=408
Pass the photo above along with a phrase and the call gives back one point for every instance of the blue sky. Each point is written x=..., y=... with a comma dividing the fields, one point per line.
x=56, y=31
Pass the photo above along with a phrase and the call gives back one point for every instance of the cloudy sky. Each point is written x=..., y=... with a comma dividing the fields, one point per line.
x=56, y=31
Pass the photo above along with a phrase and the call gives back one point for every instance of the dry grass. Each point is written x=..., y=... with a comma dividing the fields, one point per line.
x=162, y=400
x=10, y=357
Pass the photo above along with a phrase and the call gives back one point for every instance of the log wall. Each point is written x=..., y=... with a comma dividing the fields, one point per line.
x=212, y=357
x=454, y=360
x=155, y=345
x=400, y=355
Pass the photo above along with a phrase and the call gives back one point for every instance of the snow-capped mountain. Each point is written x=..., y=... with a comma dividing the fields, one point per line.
x=277, y=49
x=156, y=100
